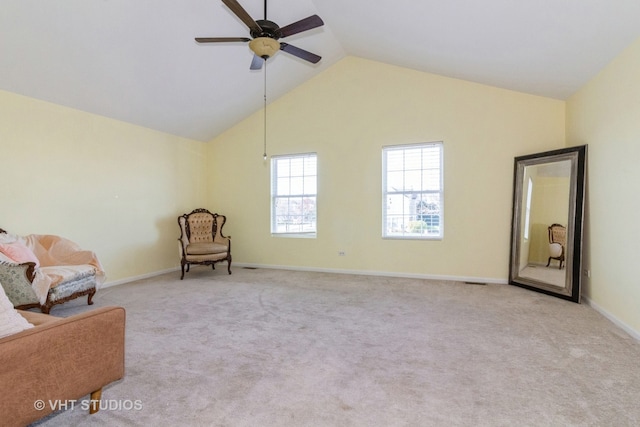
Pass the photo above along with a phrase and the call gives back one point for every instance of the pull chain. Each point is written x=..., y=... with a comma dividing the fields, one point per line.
x=264, y=156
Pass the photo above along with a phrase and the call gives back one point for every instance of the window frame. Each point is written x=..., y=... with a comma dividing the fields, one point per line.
x=405, y=235
x=274, y=196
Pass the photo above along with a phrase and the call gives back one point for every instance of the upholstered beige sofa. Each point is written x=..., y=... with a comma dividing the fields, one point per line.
x=59, y=360
x=40, y=271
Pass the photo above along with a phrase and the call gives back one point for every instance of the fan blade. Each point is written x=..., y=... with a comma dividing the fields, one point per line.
x=256, y=63
x=221, y=39
x=305, y=24
x=300, y=53
x=243, y=15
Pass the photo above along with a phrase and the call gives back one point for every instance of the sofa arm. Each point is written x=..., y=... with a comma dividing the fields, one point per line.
x=16, y=280
x=64, y=359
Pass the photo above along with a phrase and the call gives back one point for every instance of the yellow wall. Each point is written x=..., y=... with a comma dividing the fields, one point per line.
x=346, y=115
x=112, y=187
x=550, y=206
x=605, y=114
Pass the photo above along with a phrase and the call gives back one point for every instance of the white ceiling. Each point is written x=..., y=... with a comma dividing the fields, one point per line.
x=137, y=61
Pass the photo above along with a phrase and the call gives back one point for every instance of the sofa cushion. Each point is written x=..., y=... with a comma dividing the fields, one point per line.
x=555, y=250
x=82, y=285
x=206, y=248
x=68, y=273
x=11, y=322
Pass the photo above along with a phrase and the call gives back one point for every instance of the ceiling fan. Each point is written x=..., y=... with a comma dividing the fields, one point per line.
x=265, y=35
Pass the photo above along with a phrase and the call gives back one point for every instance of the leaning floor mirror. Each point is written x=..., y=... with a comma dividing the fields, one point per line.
x=547, y=222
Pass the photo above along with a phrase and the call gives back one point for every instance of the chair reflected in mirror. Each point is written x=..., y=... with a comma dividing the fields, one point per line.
x=557, y=243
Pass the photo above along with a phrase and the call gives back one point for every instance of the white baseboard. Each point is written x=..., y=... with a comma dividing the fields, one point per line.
x=472, y=279
x=619, y=323
x=378, y=273
x=140, y=277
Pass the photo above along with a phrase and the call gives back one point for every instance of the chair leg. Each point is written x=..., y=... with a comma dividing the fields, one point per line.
x=90, y=297
x=94, y=406
x=229, y=263
x=182, y=267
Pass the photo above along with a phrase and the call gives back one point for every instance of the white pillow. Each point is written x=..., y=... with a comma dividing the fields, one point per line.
x=555, y=250
x=10, y=320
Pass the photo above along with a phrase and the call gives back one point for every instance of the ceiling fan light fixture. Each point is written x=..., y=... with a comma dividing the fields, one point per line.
x=264, y=47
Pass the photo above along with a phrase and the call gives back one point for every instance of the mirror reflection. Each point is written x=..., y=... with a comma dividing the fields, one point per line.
x=543, y=239
x=546, y=231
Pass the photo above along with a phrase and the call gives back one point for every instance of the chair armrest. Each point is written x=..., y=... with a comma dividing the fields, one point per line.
x=64, y=359
x=223, y=240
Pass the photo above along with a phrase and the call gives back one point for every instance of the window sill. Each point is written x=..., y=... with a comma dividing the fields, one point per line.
x=295, y=235
x=412, y=238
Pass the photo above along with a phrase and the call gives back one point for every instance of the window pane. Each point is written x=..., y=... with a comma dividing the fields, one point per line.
x=413, y=159
x=413, y=180
x=282, y=167
x=395, y=160
x=310, y=166
x=395, y=181
x=310, y=184
x=282, y=187
x=431, y=180
x=431, y=160
x=297, y=185
x=297, y=167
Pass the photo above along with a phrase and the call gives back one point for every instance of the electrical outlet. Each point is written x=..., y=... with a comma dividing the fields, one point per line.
x=342, y=253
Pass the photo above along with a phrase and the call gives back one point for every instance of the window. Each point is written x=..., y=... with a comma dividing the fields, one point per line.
x=412, y=191
x=294, y=194
x=527, y=211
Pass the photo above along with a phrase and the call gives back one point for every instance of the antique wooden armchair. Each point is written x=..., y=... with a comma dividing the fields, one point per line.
x=201, y=240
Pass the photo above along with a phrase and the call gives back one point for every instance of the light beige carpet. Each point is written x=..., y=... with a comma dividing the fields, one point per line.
x=551, y=275
x=281, y=348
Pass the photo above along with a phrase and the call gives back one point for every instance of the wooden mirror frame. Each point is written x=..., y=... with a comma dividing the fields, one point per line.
x=573, y=251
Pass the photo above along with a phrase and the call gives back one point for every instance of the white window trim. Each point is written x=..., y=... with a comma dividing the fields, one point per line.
x=440, y=236
x=295, y=234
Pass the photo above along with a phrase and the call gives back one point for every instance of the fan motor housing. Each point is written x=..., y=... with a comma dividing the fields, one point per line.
x=269, y=29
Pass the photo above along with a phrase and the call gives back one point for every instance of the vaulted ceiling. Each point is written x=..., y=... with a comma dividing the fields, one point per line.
x=137, y=61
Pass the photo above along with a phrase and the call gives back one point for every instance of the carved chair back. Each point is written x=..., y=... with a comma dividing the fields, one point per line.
x=201, y=226
x=558, y=234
